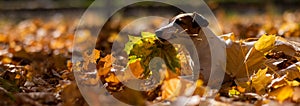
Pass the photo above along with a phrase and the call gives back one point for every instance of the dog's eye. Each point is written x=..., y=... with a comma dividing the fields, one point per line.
x=179, y=22
x=195, y=24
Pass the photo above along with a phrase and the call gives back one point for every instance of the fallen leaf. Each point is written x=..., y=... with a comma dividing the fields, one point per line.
x=170, y=88
x=3, y=38
x=18, y=76
x=112, y=78
x=174, y=87
x=265, y=43
x=105, y=65
x=296, y=95
x=95, y=55
x=236, y=66
x=293, y=83
x=282, y=93
x=136, y=68
x=233, y=92
x=278, y=82
x=260, y=80
x=241, y=89
x=291, y=71
x=200, y=89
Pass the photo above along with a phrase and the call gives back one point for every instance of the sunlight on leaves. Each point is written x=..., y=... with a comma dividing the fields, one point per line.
x=147, y=47
x=282, y=93
x=112, y=79
x=265, y=43
x=136, y=68
x=233, y=91
x=260, y=80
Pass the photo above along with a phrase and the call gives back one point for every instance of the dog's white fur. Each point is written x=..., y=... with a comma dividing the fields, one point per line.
x=210, y=49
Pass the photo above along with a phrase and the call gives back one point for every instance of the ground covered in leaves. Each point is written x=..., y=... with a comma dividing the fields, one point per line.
x=262, y=64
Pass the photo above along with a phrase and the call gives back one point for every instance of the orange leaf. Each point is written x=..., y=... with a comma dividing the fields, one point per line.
x=3, y=38
x=112, y=78
x=107, y=60
x=136, y=68
x=170, y=88
x=96, y=55
x=18, y=76
x=241, y=89
x=175, y=87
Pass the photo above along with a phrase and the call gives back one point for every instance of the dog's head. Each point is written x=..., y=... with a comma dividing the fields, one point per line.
x=188, y=23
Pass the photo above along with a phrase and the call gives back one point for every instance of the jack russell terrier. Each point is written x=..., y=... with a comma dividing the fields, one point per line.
x=207, y=50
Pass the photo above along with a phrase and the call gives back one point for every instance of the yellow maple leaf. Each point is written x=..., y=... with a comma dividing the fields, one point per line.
x=282, y=93
x=265, y=43
x=260, y=80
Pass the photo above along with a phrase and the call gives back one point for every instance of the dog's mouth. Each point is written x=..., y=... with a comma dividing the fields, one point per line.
x=163, y=36
x=171, y=35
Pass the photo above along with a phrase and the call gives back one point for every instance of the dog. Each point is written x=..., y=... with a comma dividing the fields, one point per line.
x=191, y=30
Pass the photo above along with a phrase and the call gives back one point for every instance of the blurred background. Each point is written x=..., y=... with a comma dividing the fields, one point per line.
x=244, y=18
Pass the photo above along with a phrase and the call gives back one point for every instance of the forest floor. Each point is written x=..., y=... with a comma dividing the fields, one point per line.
x=36, y=67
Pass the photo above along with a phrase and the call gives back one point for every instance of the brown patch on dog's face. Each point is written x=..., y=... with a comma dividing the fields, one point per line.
x=188, y=24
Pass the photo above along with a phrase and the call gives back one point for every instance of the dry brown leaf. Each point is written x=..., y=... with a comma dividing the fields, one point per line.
x=236, y=54
x=292, y=72
x=254, y=57
x=296, y=95
x=287, y=47
x=256, y=54
x=278, y=82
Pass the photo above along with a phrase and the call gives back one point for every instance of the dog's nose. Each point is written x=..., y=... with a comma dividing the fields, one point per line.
x=158, y=33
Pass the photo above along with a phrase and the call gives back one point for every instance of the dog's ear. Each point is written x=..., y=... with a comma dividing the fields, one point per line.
x=199, y=20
